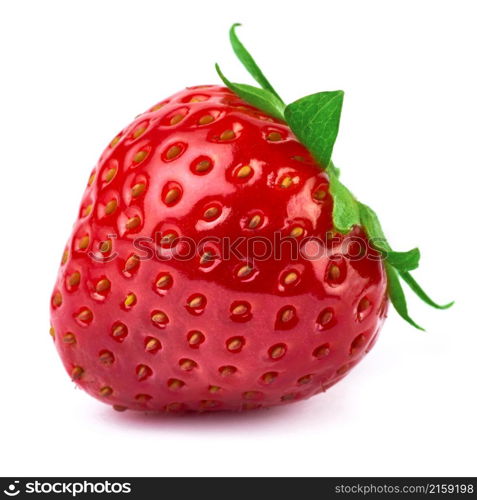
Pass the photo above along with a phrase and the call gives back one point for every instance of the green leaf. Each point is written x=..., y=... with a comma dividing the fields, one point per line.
x=250, y=65
x=260, y=98
x=345, y=206
x=315, y=120
x=397, y=297
x=416, y=288
x=372, y=226
x=404, y=261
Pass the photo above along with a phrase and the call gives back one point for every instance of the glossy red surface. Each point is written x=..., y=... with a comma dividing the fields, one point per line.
x=211, y=332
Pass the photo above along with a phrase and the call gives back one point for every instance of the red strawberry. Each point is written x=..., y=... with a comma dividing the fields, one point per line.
x=209, y=333
x=210, y=329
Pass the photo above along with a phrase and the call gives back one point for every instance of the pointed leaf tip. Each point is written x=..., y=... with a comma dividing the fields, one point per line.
x=315, y=120
x=249, y=63
x=397, y=297
x=417, y=289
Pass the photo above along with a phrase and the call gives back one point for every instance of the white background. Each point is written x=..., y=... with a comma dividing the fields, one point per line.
x=74, y=73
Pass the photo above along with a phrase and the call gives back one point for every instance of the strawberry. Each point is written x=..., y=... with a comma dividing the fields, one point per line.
x=218, y=262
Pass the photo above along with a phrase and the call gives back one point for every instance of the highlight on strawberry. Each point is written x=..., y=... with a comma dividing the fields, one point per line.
x=218, y=262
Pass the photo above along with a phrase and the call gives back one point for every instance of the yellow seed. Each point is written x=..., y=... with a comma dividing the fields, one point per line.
x=138, y=189
x=174, y=407
x=105, y=246
x=64, y=257
x=91, y=179
x=203, y=166
x=105, y=391
x=110, y=207
x=143, y=398
x=234, y=344
x=304, y=380
x=168, y=238
x=87, y=210
x=244, y=271
x=298, y=158
x=204, y=120
x=225, y=371
x=152, y=345
x=130, y=300
x=342, y=370
x=187, y=364
x=103, y=285
x=211, y=212
x=77, y=373
x=227, y=135
x=83, y=242
x=74, y=279
x=69, y=338
x=319, y=195
x=173, y=152
x=159, y=317
x=139, y=156
x=244, y=171
x=214, y=389
x=269, y=377
x=163, y=281
x=296, y=232
x=286, y=182
x=157, y=107
x=106, y=358
x=290, y=278
x=175, y=384
x=274, y=136
x=131, y=263
x=277, y=352
x=208, y=403
x=195, y=338
x=57, y=299
x=325, y=318
x=143, y=372
x=206, y=257
x=251, y=395
x=52, y=332
x=119, y=330
x=133, y=223
x=176, y=119
x=288, y=397
x=240, y=309
x=114, y=141
x=171, y=196
x=287, y=315
x=110, y=175
x=139, y=131
x=364, y=303
x=199, y=98
x=334, y=272
x=119, y=408
x=254, y=222
x=196, y=301
x=85, y=315
x=322, y=351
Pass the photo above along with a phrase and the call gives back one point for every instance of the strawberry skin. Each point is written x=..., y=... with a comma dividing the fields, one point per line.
x=211, y=331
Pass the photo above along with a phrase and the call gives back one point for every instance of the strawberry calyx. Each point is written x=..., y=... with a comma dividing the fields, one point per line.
x=315, y=120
